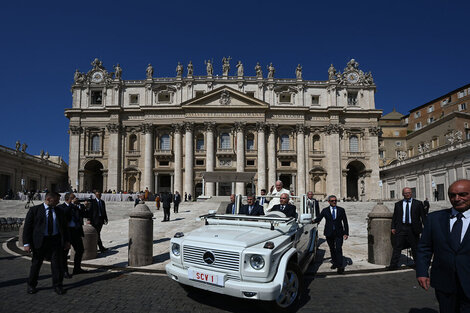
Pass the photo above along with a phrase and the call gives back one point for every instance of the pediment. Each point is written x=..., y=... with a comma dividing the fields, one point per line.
x=225, y=97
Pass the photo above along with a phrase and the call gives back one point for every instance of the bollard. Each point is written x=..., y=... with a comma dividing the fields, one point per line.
x=379, y=235
x=140, y=249
x=89, y=243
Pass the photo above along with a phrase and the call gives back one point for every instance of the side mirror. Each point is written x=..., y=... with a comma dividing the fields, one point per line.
x=306, y=219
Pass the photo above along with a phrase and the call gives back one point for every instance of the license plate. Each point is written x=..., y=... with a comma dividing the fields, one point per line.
x=206, y=277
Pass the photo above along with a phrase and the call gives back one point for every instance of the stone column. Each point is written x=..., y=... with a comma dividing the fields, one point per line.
x=271, y=156
x=210, y=157
x=156, y=184
x=300, y=160
x=261, y=158
x=172, y=183
x=74, y=156
x=188, y=159
x=178, y=164
x=114, y=157
x=147, y=130
x=332, y=148
x=240, y=128
x=307, y=161
x=373, y=188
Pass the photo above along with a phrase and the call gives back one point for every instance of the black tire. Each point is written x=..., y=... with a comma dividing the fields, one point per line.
x=288, y=300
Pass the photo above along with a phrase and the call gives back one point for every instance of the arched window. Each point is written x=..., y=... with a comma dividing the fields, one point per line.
x=95, y=143
x=200, y=142
x=285, y=142
x=224, y=141
x=353, y=144
x=316, y=143
x=165, y=142
x=250, y=142
x=132, y=142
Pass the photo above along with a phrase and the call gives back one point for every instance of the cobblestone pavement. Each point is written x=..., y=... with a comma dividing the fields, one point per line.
x=122, y=291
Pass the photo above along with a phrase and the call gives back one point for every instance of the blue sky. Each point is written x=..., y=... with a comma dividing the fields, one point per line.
x=416, y=50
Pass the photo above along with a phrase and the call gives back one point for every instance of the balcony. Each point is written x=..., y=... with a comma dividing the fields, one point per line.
x=94, y=153
x=286, y=153
x=163, y=154
x=225, y=152
x=201, y=151
x=355, y=155
x=131, y=153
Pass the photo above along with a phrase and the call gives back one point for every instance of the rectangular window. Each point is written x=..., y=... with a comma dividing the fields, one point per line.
x=352, y=98
x=417, y=114
x=430, y=120
x=392, y=194
x=164, y=97
x=396, y=133
x=398, y=143
x=199, y=93
x=250, y=94
x=250, y=162
x=96, y=97
x=315, y=100
x=434, y=142
x=418, y=126
x=164, y=163
x=199, y=162
x=431, y=109
x=134, y=99
x=406, y=120
x=381, y=154
x=462, y=106
x=462, y=94
x=285, y=163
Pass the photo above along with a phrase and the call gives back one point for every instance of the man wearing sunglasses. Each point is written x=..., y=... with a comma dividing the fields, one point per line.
x=336, y=230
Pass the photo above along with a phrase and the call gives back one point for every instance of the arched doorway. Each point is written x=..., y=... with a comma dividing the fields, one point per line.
x=93, y=176
x=355, y=172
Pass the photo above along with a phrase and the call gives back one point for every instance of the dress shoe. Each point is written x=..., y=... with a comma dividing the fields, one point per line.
x=59, y=290
x=333, y=267
x=67, y=275
x=392, y=268
x=341, y=270
x=31, y=290
x=79, y=271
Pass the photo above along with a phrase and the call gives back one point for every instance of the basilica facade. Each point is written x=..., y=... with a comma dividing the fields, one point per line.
x=164, y=133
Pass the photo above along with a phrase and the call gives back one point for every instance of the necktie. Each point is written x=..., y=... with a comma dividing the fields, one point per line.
x=99, y=207
x=283, y=207
x=456, y=232
x=233, y=208
x=50, y=222
x=407, y=212
x=249, y=209
x=334, y=213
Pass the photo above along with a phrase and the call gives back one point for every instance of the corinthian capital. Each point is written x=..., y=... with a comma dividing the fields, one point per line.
x=189, y=126
x=75, y=130
x=333, y=129
x=113, y=128
x=300, y=128
x=177, y=128
x=260, y=126
x=272, y=128
x=239, y=126
x=375, y=131
x=209, y=126
x=147, y=128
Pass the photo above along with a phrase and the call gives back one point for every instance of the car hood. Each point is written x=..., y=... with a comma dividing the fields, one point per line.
x=232, y=235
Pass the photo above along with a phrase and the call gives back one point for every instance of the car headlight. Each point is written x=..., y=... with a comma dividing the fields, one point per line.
x=175, y=249
x=257, y=261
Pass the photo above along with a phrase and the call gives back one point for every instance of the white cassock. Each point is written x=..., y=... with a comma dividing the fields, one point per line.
x=276, y=200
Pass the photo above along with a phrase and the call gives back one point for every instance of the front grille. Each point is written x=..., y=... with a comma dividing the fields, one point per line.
x=224, y=260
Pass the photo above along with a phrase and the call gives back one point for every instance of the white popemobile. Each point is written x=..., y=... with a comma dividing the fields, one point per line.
x=253, y=257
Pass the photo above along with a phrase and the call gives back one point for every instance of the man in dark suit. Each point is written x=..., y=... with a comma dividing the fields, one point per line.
x=336, y=230
x=446, y=240
x=231, y=208
x=426, y=206
x=261, y=200
x=407, y=224
x=176, y=201
x=312, y=204
x=74, y=213
x=167, y=199
x=285, y=207
x=98, y=217
x=45, y=234
x=251, y=208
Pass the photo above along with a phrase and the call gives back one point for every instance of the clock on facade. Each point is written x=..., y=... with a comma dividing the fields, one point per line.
x=353, y=77
x=97, y=77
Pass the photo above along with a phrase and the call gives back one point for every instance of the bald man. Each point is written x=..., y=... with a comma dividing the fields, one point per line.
x=446, y=240
x=407, y=224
